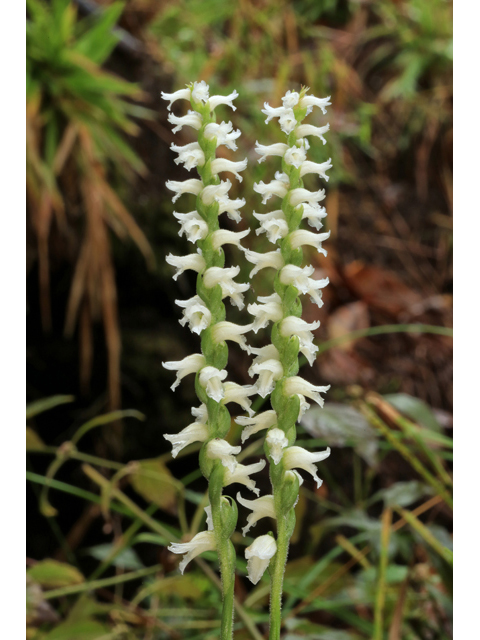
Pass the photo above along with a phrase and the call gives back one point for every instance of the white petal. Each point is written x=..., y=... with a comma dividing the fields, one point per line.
x=276, y=442
x=258, y=555
x=181, y=94
x=219, y=449
x=203, y=541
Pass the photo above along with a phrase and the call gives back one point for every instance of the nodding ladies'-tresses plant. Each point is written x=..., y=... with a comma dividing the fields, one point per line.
x=276, y=364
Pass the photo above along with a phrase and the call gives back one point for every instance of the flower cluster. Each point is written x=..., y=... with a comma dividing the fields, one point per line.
x=276, y=365
x=204, y=313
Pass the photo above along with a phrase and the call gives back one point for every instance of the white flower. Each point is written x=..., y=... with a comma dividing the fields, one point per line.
x=290, y=99
x=300, y=237
x=200, y=91
x=192, y=119
x=195, y=313
x=263, y=260
x=222, y=164
x=212, y=192
x=191, y=155
x=270, y=311
x=276, y=441
x=225, y=330
x=239, y=394
x=224, y=236
x=313, y=214
x=272, y=112
x=287, y=121
x=192, y=225
x=224, y=277
x=273, y=188
x=299, y=458
x=259, y=554
x=195, y=432
x=268, y=373
x=190, y=364
x=312, y=101
x=296, y=156
x=193, y=186
x=309, y=130
x=268, y=352
x=194, y=261
x=210, y=379
x=200, y=413
x=262, y=507
x=304, y=406
x=300, y=195
x=242, y=475
x=224, y=134
x=216, y=100
x=290, y=274
x=293, y=326
x=218, y=449
x=254, y=424
x=275, y=227
x=218, y=193
x=277, y=149
x=278, y=216
x=314, y=167
x=231, y=207
x=295, y=384
x=203, y=541
x=181, y=94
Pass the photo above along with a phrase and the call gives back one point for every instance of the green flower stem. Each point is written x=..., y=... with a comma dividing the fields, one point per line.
x=277, y=573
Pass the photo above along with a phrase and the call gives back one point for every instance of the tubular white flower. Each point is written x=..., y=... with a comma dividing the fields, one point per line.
x=224, y=134
x=290, y=274
x=262, y=507
x=265, y=150
x=275, y=229
x=192, y=119
x=193, y=186
x=315, y=167
x=269, y=352
x=225, y=330
x=312, y=101
x=193, y=261
x=222, y=164
x=200, y=413
x=231, y=207
x=314, y=214
x=228, y=100
x=296, y=156
x=224, y=236
x=276, y=442
x=263, y=260
x=203, y=541
x=190, y=155
x=295, y=385
x=218, y=449
x=239, y=394
x=195, y=432
x=272, y=112
x=309, y=130
x=296, y=326
x=287, y=121
x=213, y=192
x=300, y=195
x=276, y=187
x=242, y=475
x=218, y=193
x=277, y=215
x=302, y=237
x=190, y=364
x=268, y=373
x=270, y=311
x=254, y=424
x=224, y=277
x=290, y=99
x=181, y=94
x=210, y=379
x=299, y=458
x=200, y=91
x=192, y=225
x=258, y=555
x=195, y=313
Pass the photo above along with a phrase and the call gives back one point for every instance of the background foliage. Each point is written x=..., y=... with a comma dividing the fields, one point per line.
x=371, y=555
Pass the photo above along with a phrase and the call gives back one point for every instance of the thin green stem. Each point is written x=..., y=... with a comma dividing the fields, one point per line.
x=277, y=580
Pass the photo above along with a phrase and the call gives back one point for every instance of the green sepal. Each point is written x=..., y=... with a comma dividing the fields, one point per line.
x=229, y=516
x=288, y=494
x=213, y=257
x=219, y=420
x=207, y=146
x=288, y=418
x=290, y=356
x=216, y=353
x=206, y=463
x=199, y=390
x=290, y=519
x=212, y=298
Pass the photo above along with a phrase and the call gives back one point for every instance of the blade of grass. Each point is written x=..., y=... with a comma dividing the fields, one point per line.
x=382, y=569
x=429, y=538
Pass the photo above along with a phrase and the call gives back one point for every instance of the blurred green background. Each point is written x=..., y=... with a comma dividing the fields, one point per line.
x=371, y=554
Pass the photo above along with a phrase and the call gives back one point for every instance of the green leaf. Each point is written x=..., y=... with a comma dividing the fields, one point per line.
x=415, y=409
x=39, y=406
x=81, y=630
x=154, y=482
x=126, y=559
x=404, y=494
x=99, y=41
x=52, y=574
